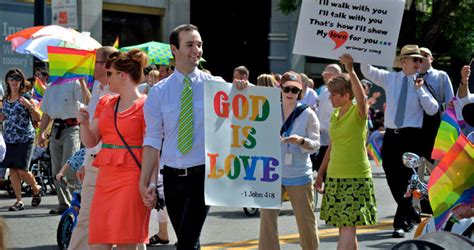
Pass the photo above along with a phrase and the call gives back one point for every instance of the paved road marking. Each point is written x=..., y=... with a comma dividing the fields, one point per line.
x=292, y=238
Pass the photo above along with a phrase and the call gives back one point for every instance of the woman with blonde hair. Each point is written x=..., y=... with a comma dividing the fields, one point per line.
x=266, y=80
x=118, y=215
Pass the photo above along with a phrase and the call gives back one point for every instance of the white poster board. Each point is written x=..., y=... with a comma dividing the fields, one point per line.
x=242, y=134
x=64, y=13
x=366, y=29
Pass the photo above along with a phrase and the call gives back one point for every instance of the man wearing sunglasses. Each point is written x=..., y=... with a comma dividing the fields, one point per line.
x=407, y=100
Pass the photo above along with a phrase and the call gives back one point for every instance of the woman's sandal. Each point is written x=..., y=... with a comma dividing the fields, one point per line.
x=155, y=239
x=36, y=199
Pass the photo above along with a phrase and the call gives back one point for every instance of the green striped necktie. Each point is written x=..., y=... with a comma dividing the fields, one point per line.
x=186, y=124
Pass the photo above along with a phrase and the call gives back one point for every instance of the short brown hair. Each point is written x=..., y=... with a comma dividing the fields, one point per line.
x=341, y=84
x=131, y=62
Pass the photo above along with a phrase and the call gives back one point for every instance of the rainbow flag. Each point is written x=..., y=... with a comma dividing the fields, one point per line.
x=448, y=133
x=67, y=64
x=38, y=90
x=116, y=43
x=452, y=181
x=374, y=151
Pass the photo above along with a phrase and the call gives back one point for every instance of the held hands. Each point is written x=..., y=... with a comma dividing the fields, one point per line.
x=240, y=84
x=148, y=194
x=348, y=62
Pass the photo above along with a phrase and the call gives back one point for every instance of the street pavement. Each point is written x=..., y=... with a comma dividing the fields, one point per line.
x=34, y=228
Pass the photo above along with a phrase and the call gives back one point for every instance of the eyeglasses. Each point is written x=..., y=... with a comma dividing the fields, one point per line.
x=293, y=90
x=417, y=59
x=14, y=78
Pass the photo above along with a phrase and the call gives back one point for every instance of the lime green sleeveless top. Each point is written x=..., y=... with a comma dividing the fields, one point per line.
x=348, y=152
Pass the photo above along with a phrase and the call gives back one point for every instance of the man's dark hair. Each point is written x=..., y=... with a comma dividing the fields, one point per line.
x=242, y=70
x=41, y=70
x=174, y=36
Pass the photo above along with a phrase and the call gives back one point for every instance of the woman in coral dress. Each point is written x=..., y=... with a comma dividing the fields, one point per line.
x=118, y=215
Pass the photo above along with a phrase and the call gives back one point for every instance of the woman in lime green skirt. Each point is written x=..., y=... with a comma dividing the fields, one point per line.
x=349, y=198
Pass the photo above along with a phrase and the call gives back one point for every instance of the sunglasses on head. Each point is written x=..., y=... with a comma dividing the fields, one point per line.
x=14, y=78
x=293, y=90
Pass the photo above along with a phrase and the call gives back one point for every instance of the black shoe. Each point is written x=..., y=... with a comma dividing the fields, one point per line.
x=58, y=211
x=17, y=206
x=409, y=227
x=417, y=218
x=398, y=233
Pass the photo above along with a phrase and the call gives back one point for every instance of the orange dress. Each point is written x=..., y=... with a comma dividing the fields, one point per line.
x=118, y=215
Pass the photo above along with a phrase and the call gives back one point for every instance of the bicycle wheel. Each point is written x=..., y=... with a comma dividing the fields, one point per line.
x=250, y=211
x=64, y=232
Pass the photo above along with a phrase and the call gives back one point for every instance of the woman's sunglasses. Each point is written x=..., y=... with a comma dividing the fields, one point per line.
x=293, y=90
x=14, y=78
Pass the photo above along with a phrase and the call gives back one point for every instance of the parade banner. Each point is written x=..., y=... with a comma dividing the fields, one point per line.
x=366, y=29
x=242, y=134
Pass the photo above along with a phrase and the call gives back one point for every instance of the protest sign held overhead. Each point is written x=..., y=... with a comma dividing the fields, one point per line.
x=242, y=134
x=366, y=29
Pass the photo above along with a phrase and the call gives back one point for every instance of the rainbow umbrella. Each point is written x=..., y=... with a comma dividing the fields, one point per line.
x=35, y=40
x=158, y=53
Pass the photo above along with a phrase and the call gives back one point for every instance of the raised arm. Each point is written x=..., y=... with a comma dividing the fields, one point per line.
x=362, y=105
x=464, y=86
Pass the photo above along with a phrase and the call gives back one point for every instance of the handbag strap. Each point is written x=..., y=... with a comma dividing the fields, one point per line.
x=121, y=137
x=291, y=118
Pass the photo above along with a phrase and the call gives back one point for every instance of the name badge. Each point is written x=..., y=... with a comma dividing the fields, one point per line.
x=288, y=159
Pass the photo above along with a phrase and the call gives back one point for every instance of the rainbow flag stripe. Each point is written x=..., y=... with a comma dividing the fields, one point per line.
x=67, y=64
x=448, y=133
x=374, y=151
x=452, y=181
x=38, y=90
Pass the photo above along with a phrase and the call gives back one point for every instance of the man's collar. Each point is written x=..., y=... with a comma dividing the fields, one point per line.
x=193, y=75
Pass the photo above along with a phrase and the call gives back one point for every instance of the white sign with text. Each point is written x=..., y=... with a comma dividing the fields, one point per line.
x=366, y=29
x=242, y=134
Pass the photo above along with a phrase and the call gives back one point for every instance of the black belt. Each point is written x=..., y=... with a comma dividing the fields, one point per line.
x=183, y=171
x=63, y=124
x=401, y=130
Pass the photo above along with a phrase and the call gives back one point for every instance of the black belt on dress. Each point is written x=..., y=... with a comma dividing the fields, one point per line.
x=401, y=130
x=182, y=171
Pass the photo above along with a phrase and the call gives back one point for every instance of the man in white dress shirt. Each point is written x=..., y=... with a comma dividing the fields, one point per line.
x=406, y=99
x=182, y=154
